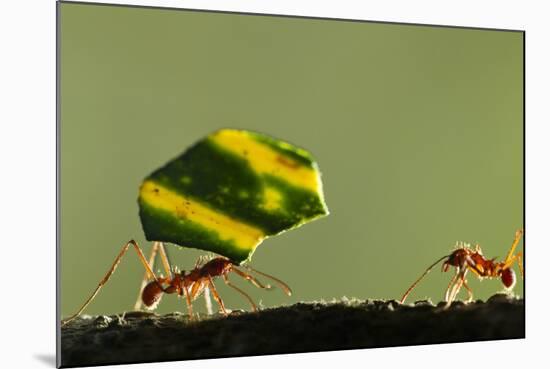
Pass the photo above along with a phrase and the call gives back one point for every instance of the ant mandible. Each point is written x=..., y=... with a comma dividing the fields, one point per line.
x=191, y=285
x=464, y=258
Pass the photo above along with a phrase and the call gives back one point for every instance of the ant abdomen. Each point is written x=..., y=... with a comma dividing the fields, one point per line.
x=508, y=278
x=151, y=295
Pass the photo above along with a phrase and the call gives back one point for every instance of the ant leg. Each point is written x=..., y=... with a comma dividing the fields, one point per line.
x=149, y=272
x=188, y=301
x=451, y=284
x=519, y=258
x=449, y=298
x=216, y=295
x=457, y=288
x=137, y=305
x=517, y=238
x=197, y=288
x=470, y=293
x=157, y=247
x=208, y=301
x=227, y=282
x=282, y=284
x=164, y=260
x=458, y=285
x=464, y=283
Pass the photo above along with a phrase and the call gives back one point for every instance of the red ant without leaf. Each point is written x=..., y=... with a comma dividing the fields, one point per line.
x=464, y=258
x=191, y=285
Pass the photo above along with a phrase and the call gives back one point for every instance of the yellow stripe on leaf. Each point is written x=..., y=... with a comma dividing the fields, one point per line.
x=265, y=160
x=227, y=228
x=271, y=199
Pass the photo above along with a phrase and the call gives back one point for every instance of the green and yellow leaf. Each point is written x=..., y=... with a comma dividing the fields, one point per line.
x=229, y=192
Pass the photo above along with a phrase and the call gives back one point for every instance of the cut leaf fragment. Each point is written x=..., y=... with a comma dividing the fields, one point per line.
x=229, y=192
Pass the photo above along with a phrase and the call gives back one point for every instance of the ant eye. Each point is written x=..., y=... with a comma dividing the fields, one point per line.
x=508, y=278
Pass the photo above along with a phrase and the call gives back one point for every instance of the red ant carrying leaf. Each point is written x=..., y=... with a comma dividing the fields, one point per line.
x=465, y=259
x=225, y=194
x=191, y=285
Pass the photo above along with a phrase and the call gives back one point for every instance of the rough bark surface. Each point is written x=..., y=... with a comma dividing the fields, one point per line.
x=304, y=327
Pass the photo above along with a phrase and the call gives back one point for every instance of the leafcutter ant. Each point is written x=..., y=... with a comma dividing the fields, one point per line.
x=190, y=285
x=465, y=259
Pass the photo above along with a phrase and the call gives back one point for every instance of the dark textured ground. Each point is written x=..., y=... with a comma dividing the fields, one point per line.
x=316, y=326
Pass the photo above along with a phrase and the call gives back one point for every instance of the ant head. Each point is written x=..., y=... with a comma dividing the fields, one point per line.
x=455, y=259
x=151, y=295
x=508, y=278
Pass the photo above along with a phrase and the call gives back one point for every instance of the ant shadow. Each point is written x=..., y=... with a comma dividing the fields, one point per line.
x=48, y=359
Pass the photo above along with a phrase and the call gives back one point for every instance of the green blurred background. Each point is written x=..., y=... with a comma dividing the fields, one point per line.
x=418, y=132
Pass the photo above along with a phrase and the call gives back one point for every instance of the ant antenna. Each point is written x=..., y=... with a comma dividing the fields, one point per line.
x=420, y=278
x=282, y=284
